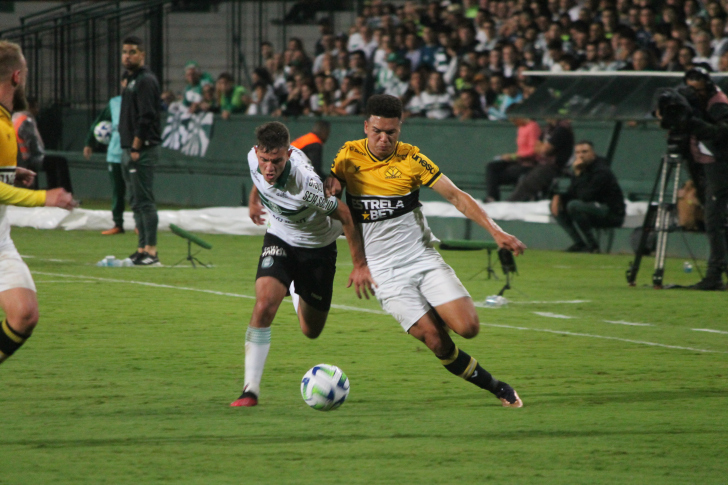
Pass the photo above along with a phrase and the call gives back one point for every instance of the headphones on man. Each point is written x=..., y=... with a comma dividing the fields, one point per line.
x=698, y=73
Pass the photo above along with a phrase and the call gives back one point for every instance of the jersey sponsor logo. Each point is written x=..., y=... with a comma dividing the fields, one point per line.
x=273, y=251
x=393, y=173
x=424, y=163
x=319, y=201
x=372, y=209
x=316, y=185
x=353, y=149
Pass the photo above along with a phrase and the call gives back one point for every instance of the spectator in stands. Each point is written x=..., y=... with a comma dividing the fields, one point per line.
x=509, y=96
x=329, y=96
x=196, y=79
x=412, y=53
x=719, y=44
x=467, y=106
x=593, y=200
x=363, y=42
x=351, y=97
x=643, y=60
x=310, y=102
x=436, y=100
x=230, y=98
x=429, y=47
x=465, y=77
x=511, y=60
x=647, y=26
x=703, y=51
x=386, y=73
x=397, y=85
x=263, y=100
x=327, y=43
x=669, y=60
x=509, y=167
x=412, y=100
x=312, y=144
x=31, y=150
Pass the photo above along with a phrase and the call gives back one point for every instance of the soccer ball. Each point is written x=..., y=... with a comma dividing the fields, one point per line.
x=102, y=132
x=325, y=387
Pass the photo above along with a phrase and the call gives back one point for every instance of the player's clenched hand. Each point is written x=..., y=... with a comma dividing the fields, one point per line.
x=332, y=186
x=24, y=176
x=256, y=212
x=60, y=198
x=363, y=281
x=505, y=240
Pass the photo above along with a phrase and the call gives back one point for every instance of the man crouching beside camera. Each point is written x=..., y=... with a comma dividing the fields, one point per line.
x=706, y=124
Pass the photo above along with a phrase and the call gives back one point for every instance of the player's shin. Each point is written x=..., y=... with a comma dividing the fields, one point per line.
x=10, y=340
x=257, y=344
x=465, y=366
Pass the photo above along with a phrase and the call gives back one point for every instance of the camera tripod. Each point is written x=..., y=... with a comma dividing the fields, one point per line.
x=660, y=212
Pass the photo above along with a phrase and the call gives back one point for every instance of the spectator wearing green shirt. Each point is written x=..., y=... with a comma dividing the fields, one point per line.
x=230, y=98
x=196, y=79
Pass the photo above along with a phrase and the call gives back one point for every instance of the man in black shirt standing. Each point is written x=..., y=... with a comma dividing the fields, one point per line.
x=594, y=199
x=139, y=130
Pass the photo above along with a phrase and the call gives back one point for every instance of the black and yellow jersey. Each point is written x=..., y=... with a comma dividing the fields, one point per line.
x=384, y=195
x=10, y=195
x=383, y=189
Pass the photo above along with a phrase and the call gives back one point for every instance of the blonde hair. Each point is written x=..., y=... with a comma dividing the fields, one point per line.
x=11, y=59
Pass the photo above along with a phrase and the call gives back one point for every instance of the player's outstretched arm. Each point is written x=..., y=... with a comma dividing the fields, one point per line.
x=360, y=275
x=465, y=203
x=60, y=198
x=255, y=207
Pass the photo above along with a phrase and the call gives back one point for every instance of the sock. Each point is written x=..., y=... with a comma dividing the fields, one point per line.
x=294, y=296
x=462, y=365
x=10, y=340
x=257, y=344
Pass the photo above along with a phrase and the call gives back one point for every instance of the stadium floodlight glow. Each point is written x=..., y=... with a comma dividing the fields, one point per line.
x=191, y=238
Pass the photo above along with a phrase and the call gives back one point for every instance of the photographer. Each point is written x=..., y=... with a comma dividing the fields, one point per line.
x=706, y=123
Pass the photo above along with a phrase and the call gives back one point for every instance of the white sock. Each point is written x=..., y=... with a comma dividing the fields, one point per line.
x=294, y=297
x=257, y=344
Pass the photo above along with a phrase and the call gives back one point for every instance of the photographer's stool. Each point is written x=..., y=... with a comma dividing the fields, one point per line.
x=468, y=245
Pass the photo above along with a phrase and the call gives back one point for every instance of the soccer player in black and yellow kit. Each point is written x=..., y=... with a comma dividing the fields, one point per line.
x=17, y=290
x=382, y=177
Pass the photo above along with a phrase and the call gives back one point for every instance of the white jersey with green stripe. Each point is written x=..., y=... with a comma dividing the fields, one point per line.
x=298, y=210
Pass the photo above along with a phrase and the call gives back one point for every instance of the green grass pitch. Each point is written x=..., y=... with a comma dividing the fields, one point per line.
x=130, y=373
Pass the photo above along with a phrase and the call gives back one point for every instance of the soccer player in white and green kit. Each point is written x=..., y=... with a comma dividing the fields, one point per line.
x=299, y=246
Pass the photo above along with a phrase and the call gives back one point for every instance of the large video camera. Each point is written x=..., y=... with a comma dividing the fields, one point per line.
x=676, y=107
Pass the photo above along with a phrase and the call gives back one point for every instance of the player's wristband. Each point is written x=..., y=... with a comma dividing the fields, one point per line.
x=134, y=150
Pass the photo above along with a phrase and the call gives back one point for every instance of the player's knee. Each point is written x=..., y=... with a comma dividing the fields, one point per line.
x=470, y=328
x=25, y=319
x=312, y=332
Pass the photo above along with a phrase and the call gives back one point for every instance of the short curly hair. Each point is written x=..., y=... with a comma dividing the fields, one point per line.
x=385, y=106
x=273, y=135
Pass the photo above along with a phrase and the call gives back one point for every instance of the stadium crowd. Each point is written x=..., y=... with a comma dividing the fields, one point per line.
x=467, y=60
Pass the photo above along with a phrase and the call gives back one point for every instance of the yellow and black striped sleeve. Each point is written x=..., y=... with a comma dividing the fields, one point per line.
x=424, y=168
x=10, y=195
x=338, y=166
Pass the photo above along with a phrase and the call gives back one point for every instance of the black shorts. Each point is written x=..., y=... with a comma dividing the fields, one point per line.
x=311, y=269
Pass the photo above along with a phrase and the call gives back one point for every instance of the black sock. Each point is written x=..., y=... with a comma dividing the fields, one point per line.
x=462, y=365
x=10, y=340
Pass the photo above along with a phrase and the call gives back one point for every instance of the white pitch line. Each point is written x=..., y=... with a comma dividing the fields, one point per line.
x=710, y=330
x=365, y=310
x=620, y=322
x=548, y=302
x=184, y=288
x=552, y=315
x=574, y=334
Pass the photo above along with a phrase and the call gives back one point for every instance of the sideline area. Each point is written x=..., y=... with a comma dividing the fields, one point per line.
x=235, y=220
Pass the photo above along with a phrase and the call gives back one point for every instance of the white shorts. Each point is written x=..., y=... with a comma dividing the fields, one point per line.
x=408, y=293
x=14, y=273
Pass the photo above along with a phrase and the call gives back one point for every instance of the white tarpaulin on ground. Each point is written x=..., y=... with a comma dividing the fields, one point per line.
x=235, y=220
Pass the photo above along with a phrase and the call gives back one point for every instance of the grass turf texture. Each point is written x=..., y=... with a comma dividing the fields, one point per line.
x=125, y=383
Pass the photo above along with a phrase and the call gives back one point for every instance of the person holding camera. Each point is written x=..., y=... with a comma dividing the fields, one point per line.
x=707, y=126
x=594, y=199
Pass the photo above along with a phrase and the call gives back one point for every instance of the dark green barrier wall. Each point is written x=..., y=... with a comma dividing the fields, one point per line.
x=461, y=149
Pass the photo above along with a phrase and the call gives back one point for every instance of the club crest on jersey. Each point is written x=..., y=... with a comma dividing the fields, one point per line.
x=393, y=173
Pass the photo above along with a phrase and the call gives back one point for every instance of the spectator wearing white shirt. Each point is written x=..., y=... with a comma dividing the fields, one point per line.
x=436, y=100
x=397, y=86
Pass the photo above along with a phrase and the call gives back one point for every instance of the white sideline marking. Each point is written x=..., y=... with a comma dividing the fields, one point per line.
x=620, y=322
x=184, y=288
x=65, y=282
x=552, y=315
x=365, y=310
x=710, y=330
x=574, y=334
x=548, y=302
